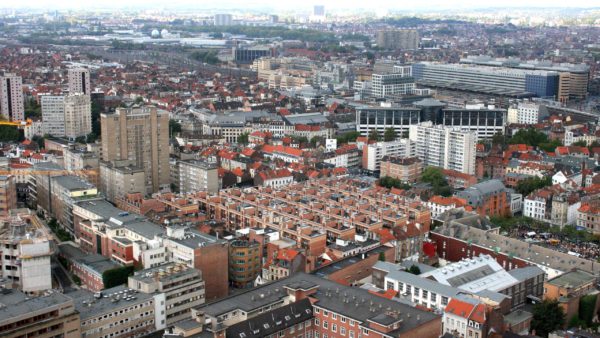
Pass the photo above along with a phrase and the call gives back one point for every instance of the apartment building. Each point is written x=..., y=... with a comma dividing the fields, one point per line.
x=588, y=216
x=25, y=254
x=141, y=135
x=182, y=286
x=374, y=153
x=77, y=115
x=79, y=81
x=569, y=288
x=387, y=85
x=528, y=113
x=53, y=114
x=444, y=147
x=488, y=198
x=64, y=192
x=119, y=178
x=53, y=315
x=406, y=39
x=244, y=262
x=12, y=106
x=334, y=310
x=198, y=176
x=119, y=312
x=406, y=169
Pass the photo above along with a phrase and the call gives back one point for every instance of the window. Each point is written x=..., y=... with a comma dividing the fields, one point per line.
x=366, y=332
x=333, y=316
x=351, y=334
x=325, y=313
x=343, y=319
x=317, y=323
x=342, y=331
x=334, y=327
x=351, y=322
x=325, y=325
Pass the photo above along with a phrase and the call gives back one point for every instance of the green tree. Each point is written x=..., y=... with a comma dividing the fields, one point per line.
x=382, y=256
x=528, y=185
x=174, y=127
x=347, y=137
x=580, y=143
x=389, y=135
x=32, y=109
x=587, y=305
x=373, y=135
x=390, y=182
x=547, y=317
x=435, y=177
x=415, y=270
x=243, y=138
x=10, y=134
x=533, y=137
x=116, y=276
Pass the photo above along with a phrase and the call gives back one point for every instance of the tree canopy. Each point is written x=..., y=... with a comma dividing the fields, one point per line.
x=533, y=137
x=528, y=185
x=547, y=317
x=347, y=137
x=373, y=135
x=390, y=182
x=389, y=135
x=116, y=276
x=435, y=177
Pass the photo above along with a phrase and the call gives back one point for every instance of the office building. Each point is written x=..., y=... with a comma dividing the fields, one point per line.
x=12, y=106
x=53, y=315
x=25, y=255
x=444, y=147
x=8, y=194
x=223, y=20
x=182, y=286
x=198, y=176
x=79, y=81
x=527, y=113
x=141, y=134
x=406, y=39
x=245, y=54
x=396, y=83
x=119, y=312
x=573, y=81
x=484, y=122
x=489, y=80
x=88, y=267
x=244, y=262
x=381, y=118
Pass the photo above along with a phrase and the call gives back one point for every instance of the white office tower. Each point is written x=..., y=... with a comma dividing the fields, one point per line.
x=528, y=113
x=78, y=115
x=11, y=97
x=399, y=82
x=79, y=81
x=444, y=147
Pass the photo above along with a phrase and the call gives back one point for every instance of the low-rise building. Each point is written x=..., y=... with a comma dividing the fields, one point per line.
x=407, y=169
x=182, y=286
x=198, y=176
x=53, y=315
x=88, y=267
x=569, y=288
x=119, y=312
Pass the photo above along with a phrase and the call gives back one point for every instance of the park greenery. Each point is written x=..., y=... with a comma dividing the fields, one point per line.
x=389, y=135
x=547, y=317
x=243, y=138
x=117, y=276
x=535, y=138
x=374, y=135
x=10, y=134
x=348, y=137
x=530, y=184
x=206, y=56
x=390, y=182
x=435, y=177
x=60, y=233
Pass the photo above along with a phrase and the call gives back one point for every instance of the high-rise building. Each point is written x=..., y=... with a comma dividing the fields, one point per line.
x=78, y=115
x=244, y=262
x=398, y=39
x=12, y=106
x=53, y=115
x=399, y=82
x=139, y=134
x=67, y=116
x=444, y=147
x=79, y=81
x=319, y=10
x=223, y=20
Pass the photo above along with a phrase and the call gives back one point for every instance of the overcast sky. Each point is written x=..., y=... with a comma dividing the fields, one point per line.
x=332, y=5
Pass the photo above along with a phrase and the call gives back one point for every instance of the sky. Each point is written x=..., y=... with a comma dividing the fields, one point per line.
x=407, y=5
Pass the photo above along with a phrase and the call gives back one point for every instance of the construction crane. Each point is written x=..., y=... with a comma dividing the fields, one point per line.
x=16, y=123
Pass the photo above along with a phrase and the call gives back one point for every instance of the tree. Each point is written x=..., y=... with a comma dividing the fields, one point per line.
x=547, y=317
x=415, y=270
x=390, y=182
x=9, y=134
x=32, y=109
x=373, y=135
x=243, y=138
x=435, y=177
x=382, y=256
x=116, y=276
x=533, y=137
x=587, y=305
x=174, y=127
x=389, y=135
x=348, y=137
x=528, y=185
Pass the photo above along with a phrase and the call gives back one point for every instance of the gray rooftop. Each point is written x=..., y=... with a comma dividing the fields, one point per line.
x=72, y=183
x=309, y=118
x=528, y=272
x=83, y=298
x=15, y=303
x=95, y=262
x=476, y=194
